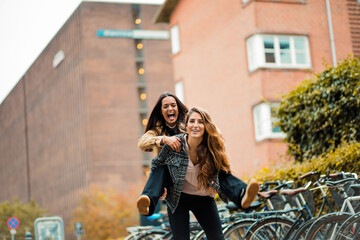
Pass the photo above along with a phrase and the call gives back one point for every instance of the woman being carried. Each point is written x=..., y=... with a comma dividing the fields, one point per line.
x=167, y=119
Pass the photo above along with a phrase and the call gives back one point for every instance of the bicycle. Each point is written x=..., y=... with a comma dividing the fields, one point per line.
x=327, y=225
x=280, y=227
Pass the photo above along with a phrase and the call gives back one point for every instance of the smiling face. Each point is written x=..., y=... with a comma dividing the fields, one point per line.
x=169, y=110
x=195, y=126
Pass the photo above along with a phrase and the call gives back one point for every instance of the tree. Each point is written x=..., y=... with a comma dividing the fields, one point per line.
x=105, y=214
x=323, y=111
x=25, y=212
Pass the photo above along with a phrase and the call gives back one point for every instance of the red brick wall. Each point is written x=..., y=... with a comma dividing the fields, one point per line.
x=213, y=63
x=13, y=159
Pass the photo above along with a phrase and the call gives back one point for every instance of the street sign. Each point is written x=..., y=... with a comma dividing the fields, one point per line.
x=78, y=226
x=134, y=34
x=49, y=228
x=13, y=223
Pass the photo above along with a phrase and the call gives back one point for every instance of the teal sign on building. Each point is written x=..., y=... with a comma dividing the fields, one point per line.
x=135, y=34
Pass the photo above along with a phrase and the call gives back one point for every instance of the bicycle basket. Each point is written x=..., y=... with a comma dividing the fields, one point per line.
x=309, y=199
x=336, y=194
x=278, y=202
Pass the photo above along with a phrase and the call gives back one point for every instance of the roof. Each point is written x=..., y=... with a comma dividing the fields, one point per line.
x=165, y=11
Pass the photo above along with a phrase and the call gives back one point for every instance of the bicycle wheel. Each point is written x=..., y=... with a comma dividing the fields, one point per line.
x=152, y=234
x=131, y=236
x=238, y=229
x=326, y=226
x=300, y=233
x=168, y=236
x=269, y=228
x=350, y=229
x=200, y=236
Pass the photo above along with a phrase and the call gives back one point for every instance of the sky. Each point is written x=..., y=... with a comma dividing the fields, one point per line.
x=26, y=28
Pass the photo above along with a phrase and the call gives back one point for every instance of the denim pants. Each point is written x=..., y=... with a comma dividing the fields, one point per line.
x=232, y=187
x=159, y=179
x=204, y=209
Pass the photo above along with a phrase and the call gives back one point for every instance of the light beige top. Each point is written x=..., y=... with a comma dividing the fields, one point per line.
x=191, y=182
x=151, y=141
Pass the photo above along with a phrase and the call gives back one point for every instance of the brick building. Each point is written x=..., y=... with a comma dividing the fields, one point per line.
x=236, y=58
x=74, y=118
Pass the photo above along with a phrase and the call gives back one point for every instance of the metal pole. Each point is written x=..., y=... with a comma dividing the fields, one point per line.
x=332, y=42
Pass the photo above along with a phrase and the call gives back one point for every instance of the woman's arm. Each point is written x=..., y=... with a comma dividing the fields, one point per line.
x=165, y=153
x=149, y=140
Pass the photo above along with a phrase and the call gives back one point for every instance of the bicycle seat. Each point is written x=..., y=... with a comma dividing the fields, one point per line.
x=267, y=194
x=292, y=192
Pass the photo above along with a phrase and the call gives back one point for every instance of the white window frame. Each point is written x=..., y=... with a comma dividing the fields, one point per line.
x=179, y=91
x=175, y=39
x=263, y=122
x=256, y=52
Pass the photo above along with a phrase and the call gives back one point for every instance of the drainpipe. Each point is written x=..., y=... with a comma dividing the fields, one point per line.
x=331, y=32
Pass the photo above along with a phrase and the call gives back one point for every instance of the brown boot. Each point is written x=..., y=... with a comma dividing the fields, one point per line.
x=143, y=204
x=250, y=193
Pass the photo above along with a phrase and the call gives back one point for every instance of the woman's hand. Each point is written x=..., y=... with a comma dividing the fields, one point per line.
x=173, y=142
x=164, y=194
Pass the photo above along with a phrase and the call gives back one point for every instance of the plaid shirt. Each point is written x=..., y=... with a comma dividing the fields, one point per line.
x=177, y=163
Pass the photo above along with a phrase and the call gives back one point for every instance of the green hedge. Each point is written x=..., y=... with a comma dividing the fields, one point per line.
x=323, y=111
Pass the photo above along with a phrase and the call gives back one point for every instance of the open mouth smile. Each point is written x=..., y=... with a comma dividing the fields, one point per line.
x=171, y=116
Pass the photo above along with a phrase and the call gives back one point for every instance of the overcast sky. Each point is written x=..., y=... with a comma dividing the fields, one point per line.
x=26, y=27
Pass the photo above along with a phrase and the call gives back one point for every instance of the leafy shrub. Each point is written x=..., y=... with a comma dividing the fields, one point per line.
x=105, y=214
x=25, y=212
x=323, y=111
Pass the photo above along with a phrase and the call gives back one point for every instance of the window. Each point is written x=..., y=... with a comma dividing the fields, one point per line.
x=264, y=121
x=278, y=51
x=179, y=91
x=175, y=39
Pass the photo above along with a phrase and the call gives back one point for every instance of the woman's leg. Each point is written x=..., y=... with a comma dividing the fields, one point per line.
x=158, y=179
x=237, y=191
x=206, y=212
x=179, y=220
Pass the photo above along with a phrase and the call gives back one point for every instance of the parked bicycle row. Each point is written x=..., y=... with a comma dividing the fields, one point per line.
x=284, y=211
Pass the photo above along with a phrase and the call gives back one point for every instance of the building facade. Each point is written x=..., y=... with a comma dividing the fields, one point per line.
x=74, y=118
x=236, y=58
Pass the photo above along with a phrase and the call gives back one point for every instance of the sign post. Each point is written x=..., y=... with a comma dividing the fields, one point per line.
x=13, y=223
x=78, y=227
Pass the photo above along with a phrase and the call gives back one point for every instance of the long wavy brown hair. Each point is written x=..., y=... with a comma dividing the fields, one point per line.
x=211, y=151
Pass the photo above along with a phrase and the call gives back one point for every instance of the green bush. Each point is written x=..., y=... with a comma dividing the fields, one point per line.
x=25, y=212
x=323, y=111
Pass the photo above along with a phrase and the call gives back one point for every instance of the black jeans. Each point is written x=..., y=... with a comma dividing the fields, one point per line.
x=205, y=210
x=160, y=178
x=232, y=187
